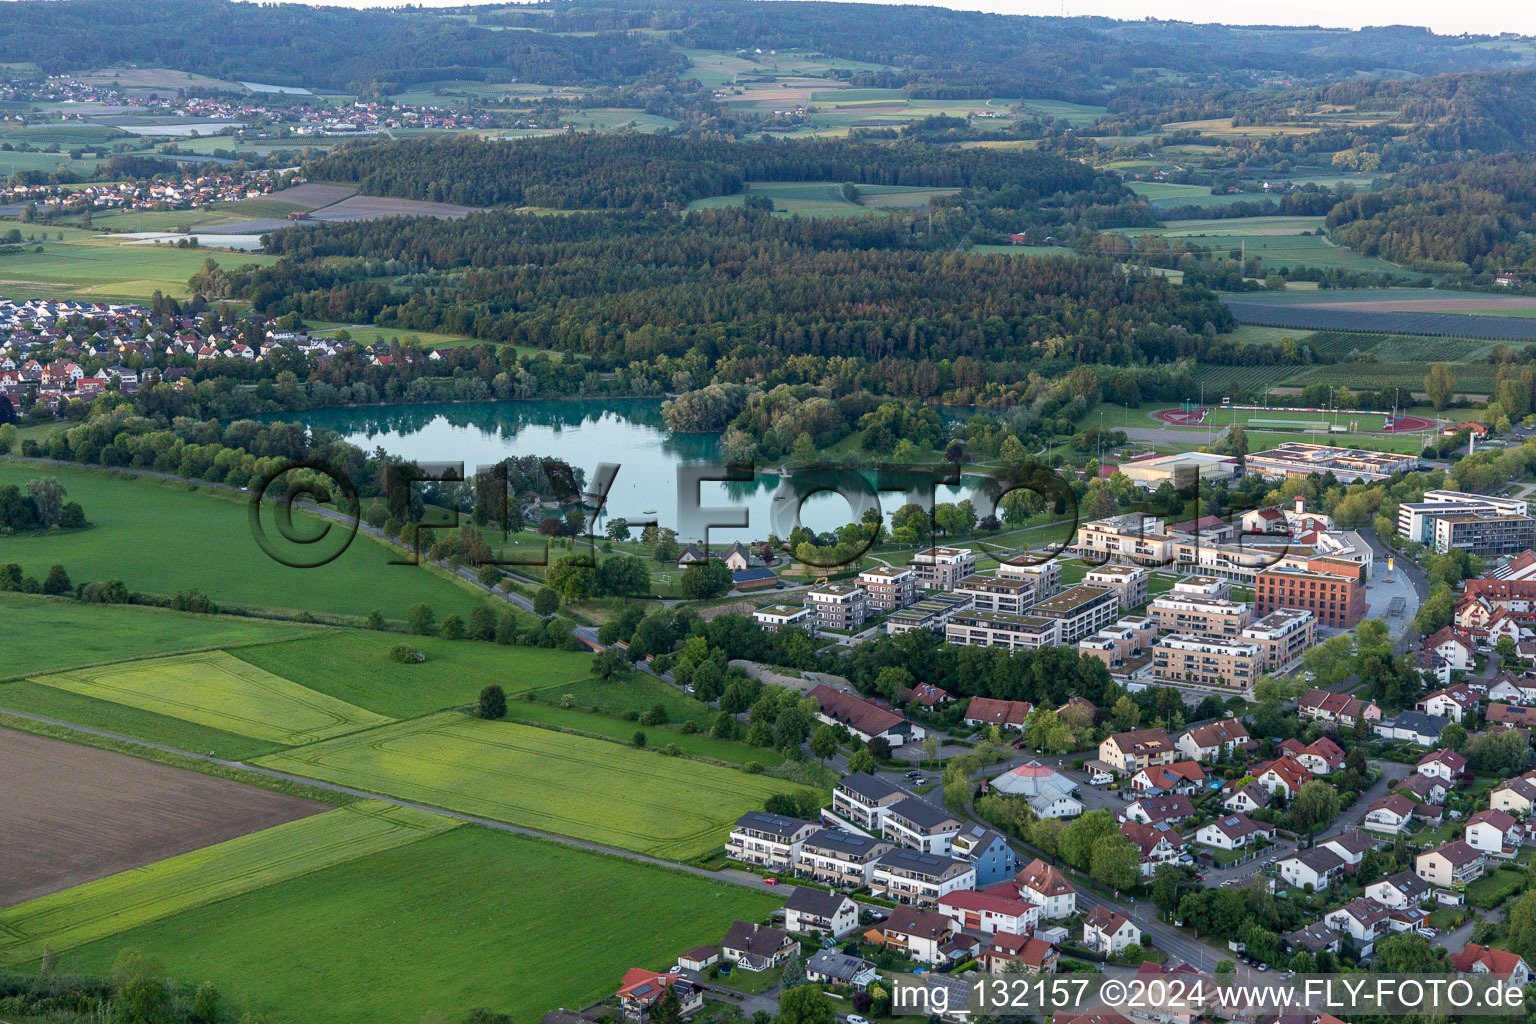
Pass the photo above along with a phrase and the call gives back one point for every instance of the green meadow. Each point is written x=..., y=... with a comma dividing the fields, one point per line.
x=89, y=268
x=469, y=918
x=618, y=795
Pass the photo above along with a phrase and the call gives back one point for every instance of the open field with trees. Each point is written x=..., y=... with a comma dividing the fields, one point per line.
x=636, y=799
x=454, y=911
x=108, y=268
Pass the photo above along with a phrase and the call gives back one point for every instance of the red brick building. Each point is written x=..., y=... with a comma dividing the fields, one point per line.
x=1330, y=588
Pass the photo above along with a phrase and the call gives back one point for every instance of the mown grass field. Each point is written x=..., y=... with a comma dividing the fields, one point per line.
x=35, y=628
x=696, y=744
x=216, y=689
x=1272, y=418
x=354, y=666
x=637, y=692
x=85, y=267
x=126, y=900
x=162, y=538
x=589, y=789
x=469, y=918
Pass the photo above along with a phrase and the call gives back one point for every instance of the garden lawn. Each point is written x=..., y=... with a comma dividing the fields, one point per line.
x=126, y=900
x=36, y=629
x=162, y=538
x=219, y=690
x=466, y=919
x=354, y=666
x=632, y=691
x=697, y=744
x=635, y=799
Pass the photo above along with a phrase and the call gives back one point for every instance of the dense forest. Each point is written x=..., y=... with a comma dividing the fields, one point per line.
x=647, y=171
x=331, y=47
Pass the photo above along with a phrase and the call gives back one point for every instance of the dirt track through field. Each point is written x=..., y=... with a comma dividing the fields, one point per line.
x=70, y=814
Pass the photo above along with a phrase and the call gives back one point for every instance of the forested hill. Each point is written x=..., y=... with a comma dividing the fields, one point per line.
x=646, y=172
x=328, y=47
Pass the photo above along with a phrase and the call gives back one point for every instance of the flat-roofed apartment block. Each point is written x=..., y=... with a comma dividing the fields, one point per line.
x=1487, y=535
x=1000, y=629
x=864, y=799
x=840, y=859
x=768, y=840
x=1203, y=586
x=998, y=593
x=941, y=568
x=1117, y=645
x=1181, y=470
x=931, y=613
x=1207, y=661
x=1129, y=582
x=838, y=605
x=1047, y=576
x=1416, y=519
x=1177, y=612
x=1131, y=537
x=1079, y=611
x=1349, y=465
x=919, y=879
x=889, y=586
x=776, y=616
x=1285, y=634
x=1331, y=589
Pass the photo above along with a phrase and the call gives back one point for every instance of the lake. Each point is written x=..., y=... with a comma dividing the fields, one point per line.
x=653, y=463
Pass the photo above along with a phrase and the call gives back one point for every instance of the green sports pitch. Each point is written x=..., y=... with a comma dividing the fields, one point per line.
x=1306, y=421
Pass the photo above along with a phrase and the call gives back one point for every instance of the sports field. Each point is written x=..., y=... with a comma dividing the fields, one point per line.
x=432, y=929
x=162, y=538
x=217, y=689
x=354, y=666
x=122, y=901
x=1276, y=419
x=590, y=789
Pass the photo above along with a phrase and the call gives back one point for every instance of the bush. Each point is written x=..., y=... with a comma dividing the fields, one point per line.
x=638, y=739
x=405, y=654
x=194, y=601
x=493, y=702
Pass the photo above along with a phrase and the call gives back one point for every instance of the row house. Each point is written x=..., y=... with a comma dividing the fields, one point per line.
x=1326, y=706
x=1005, y=714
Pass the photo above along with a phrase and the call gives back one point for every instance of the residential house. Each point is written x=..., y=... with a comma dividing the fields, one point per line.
x=919, y=825
x=1320, y=757
x=641, y=988
x=1314, y=938
x=1450, y=865
x=1404, y=889
x=987, y=852
x=989, y=912
x=834, y=967
x=1444, y=764
x=1156, y=844
x=1517, y=796
x=1109, y=931
x=864, y=800
x=1247, y=798
x=1510, y=689
x=1456, y=647
x=768, y=840
x=1389, y=814
x=1498, y=963
x=1129, y=752
x=1510, y=716
x=1033, y=955
x=1234, y=832
x=757, y=947
x=919, y=879
x=1005, y=714
x=842, y=859
x=1181, y=777
x=865, y=719
x=1363, y=920
x=929, y=696
x=1327, y=706
x=1284, y=775
x=816, y=912
x=1315, y=868
x=1047, y=888
x=1215, y=741
x=1153, y=810
x=1351, y=846
x=1495, y=833
x=1425, y=788
x=1454, y=702
x=1050, y=794
x=915, y=934
x=1415, y=727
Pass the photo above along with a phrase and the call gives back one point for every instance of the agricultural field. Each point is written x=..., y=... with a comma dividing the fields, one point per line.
x=153, y=79
x=84, y=266
x=1397, y=348
x=1230, y=380
x=202, y=538
x=74, y=814
x=1319, y=317
x=810, y=198
x=95, y=910
x=353, y=666
x=540, y=779
x=1471, y=378
x=115, y=632
x=216, y=689
x=613, y=727
x=637, y=692
x=440, y=906
x=1277, y=241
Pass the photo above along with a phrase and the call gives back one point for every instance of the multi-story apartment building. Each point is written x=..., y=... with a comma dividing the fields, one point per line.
x=776, y=616
x=1079, y=611
x=1200, y=616
x=998, y=593
x=841, y=606
x=889, y=587
x=941, y=568
x=999, y=629
x=918, y=825
x=770, y=841
x=1047, y=576
x=931, y=613
x=1206, y=661
x=1332, y=590
x=1129, y=582
x=919, y=879
x=1131, y=537
x=1491, y=535
x=1204, y=586
x=1416, y=519
x=1117, y=644
x=840, y=859
x=864, y=799
x=1284, y=635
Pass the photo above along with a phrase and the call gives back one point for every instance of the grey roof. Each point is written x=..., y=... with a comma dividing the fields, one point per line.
x=1407, y=883
x=923, y=863
x=922, y=813
x=1424, y=725
x=774, y=824
x=867, y=786
x=1319, y=859
x=754, y=938
x=846, y=843
x=809, y=900
x=837, y=965
x=1315, y=936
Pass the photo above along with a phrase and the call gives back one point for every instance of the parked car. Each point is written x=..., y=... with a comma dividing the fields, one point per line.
x=770, y=881
x=854, y=1018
